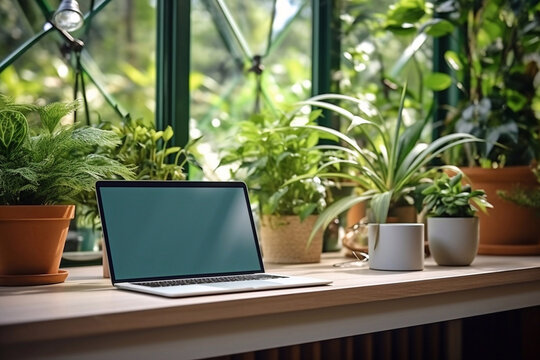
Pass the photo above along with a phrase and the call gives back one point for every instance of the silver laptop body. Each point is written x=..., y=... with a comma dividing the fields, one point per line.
x=184, y=238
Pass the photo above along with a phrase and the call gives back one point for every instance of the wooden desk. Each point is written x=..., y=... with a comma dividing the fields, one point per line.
x=87, y=317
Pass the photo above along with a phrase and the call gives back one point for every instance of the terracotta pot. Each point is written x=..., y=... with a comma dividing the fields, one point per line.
x=507, y=229
x=402, y=214
x=284, y=240
x=453, y=241
x=355, y=214
x=32, y=238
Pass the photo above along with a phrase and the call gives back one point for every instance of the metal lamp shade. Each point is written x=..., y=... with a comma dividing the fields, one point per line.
x=68, y=16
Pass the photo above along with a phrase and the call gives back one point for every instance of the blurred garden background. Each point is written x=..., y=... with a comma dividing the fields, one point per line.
x=246, y=56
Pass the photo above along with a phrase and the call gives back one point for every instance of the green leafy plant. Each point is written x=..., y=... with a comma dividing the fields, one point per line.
x=269, y=153
x=57, y=164
x=147, y=150
x=496, y=70
x=387, y=167
x=448, y=197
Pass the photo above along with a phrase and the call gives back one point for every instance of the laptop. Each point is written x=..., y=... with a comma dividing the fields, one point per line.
x=184, y=238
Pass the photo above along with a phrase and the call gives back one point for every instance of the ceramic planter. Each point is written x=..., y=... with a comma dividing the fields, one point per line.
x=507, y=228
x=284, y=240
x=32, y=241
x=396, y=247
x=453, y=241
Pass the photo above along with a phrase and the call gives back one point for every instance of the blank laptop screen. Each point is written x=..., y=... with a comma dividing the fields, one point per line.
x=168, y=231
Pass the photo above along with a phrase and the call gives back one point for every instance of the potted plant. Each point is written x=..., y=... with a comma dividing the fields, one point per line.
x=452, y=227
x=496, y=70
x=42, y=176
x=269, y=153
x=388, y=167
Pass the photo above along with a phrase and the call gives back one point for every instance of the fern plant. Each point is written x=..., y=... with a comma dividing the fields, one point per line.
x=56, y=164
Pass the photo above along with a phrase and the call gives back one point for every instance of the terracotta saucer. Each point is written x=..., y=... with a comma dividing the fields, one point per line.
x=38, y=279
x=532, y=249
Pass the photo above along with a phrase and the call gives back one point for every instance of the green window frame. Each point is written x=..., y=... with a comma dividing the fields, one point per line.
x=173, y=54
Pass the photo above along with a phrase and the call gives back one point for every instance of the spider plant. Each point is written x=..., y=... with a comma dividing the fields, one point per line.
x=389, y=166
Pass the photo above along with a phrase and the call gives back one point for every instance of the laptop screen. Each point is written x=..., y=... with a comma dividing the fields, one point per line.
x=167, y=229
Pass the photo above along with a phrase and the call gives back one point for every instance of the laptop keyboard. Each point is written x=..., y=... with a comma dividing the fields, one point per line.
x=208, y=280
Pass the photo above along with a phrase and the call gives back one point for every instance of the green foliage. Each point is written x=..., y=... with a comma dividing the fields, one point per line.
x=384, y=44
x=496, y=70
x=522, y=196
x=269, y=152
x=14, y=129
x=388, y=167
x=448, y=197
x=147, y=151
x=406, y=11
x=438, y=81
x=528, y=197
x=58, y=164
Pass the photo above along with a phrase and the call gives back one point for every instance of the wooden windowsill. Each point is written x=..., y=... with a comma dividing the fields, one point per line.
x=86, y=305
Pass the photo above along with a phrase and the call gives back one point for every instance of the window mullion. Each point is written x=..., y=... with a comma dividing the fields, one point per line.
x=326, y=48
x=172, y=68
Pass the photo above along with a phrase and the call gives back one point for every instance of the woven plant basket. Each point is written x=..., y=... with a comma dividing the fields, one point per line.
x=284, y=240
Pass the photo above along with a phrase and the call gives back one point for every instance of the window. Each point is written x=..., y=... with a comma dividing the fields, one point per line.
x=245, y=56
x=117, y=59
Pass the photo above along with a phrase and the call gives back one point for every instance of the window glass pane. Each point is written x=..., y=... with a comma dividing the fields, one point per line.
x=119, y=55
x=40, y=72
x=223, y=81
x=19, y=19
x=121, y=47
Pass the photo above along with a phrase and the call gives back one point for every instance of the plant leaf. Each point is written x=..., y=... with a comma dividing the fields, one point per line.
x=438, y=27
x=437, y=81
x=334, y=210
x=13, y=131
x=168, y=133
x=52, y=113
x=453, y=60
x=380, y=204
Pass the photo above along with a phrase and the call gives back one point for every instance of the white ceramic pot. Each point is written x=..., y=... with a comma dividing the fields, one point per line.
x=396, y=246
x=453, y=241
